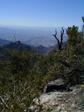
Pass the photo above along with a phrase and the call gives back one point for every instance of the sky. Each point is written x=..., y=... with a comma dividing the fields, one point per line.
x=41, y=13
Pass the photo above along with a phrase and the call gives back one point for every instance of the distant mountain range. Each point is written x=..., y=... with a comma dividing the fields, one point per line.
x=4, y=42
x=43, y=50
x=34, y=36
x=39, y=39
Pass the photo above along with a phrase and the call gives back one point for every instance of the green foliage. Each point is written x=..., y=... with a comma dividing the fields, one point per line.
x=73, y=35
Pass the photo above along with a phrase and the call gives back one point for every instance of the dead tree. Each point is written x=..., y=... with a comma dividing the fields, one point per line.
x=59, y=41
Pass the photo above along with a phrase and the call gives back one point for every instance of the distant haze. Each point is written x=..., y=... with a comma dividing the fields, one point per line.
x=30, y=35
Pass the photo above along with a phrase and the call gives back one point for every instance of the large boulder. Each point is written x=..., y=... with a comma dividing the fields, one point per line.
x=56, y=85
x=60, y=101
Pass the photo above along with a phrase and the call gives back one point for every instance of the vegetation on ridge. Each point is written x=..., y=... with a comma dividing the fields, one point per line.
x=24, y=73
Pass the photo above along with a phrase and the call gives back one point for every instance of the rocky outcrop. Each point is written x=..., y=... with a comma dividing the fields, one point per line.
x=60, y=101
x=56, y=85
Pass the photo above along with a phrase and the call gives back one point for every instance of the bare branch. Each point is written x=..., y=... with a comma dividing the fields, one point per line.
x=59, y=42
x=55, y=36
x=62, y=33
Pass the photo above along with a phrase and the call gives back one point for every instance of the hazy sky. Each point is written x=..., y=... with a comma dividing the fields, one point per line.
x=41, y=12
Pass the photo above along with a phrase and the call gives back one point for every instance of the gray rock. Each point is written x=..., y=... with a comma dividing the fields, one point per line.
x=56, y=102
x=56, y=85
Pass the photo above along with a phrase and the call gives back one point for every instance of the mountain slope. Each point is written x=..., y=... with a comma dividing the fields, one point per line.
x=4, y=42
